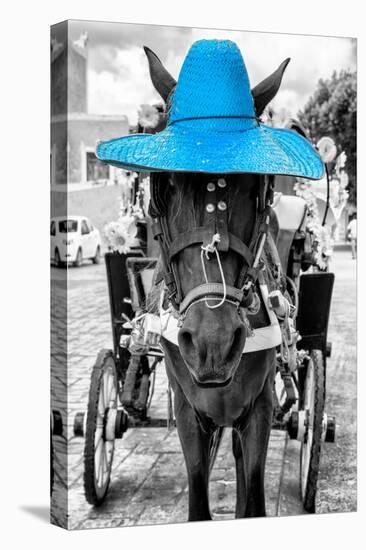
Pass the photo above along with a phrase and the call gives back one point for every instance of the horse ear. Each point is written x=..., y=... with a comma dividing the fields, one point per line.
x=162, y=80
x=265, y=91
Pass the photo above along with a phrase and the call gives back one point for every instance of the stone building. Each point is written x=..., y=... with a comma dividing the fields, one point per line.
x=75, y=131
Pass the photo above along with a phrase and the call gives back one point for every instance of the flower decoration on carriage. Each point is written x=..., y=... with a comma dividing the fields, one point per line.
x=322, y=242
x=148, y=116
x=121, y=234
x=128, y=177
x=125, y=179
x=145, y=191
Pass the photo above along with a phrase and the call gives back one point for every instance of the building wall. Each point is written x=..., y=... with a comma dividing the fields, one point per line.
x=73, y=137
x=59, y=63
x=59, y=151
x=77, y=80
x=83, y=134
x=74, y=132
x=68, y=76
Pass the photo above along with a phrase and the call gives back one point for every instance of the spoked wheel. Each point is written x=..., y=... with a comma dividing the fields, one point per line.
x=100, y=428
x=313, y=404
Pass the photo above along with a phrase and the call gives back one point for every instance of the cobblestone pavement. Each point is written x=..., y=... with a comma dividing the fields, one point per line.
x=337, y=483
x=148, y=482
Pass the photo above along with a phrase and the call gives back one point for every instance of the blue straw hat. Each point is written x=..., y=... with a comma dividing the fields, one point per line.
x=212, y=126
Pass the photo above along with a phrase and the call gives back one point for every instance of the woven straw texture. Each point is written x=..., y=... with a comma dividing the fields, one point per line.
x=212, y=126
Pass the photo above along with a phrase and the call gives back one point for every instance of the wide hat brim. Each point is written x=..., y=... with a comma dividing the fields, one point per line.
x=260, y=149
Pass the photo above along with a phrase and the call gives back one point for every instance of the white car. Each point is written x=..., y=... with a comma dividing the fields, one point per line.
x=74, y=239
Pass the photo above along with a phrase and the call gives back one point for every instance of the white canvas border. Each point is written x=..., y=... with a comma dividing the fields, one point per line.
x=25, y=317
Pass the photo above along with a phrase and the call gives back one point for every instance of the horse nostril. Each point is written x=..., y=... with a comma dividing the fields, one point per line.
x=185, y=338
x=193, y=347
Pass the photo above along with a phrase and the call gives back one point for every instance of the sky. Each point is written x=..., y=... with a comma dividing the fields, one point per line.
x=118, y=75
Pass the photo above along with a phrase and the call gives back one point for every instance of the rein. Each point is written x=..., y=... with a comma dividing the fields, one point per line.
x=213, y=238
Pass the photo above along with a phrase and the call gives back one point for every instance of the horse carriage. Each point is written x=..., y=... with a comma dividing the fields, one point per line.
x=270, y=349
x=122, y=381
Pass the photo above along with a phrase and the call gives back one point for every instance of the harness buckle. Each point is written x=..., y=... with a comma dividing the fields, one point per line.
x=211, y=247
x=247, y=286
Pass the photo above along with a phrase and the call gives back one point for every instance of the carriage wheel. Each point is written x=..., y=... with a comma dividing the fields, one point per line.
x=313, y=404
x=99, y=433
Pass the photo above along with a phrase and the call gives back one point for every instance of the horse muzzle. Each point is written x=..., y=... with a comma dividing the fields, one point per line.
x=211, y=343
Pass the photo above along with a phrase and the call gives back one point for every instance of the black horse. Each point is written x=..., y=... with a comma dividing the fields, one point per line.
x=214, y=384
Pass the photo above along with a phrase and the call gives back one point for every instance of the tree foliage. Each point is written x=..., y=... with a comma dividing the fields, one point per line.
x=331, y=111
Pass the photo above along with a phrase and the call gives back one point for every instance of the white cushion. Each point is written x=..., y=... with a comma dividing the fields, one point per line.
x=290, y=211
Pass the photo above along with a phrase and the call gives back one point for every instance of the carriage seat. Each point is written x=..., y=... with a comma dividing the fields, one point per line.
x=291, y=215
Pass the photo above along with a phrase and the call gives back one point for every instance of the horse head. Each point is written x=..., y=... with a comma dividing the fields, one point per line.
x=212, y=333
x=209, y=223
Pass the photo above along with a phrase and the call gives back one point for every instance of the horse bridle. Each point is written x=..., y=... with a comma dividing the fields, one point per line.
x=213, y=237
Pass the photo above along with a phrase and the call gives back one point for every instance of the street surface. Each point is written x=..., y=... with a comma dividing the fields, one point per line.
x=148, y=483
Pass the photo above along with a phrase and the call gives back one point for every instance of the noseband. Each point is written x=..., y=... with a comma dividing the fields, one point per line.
x=214, y=238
